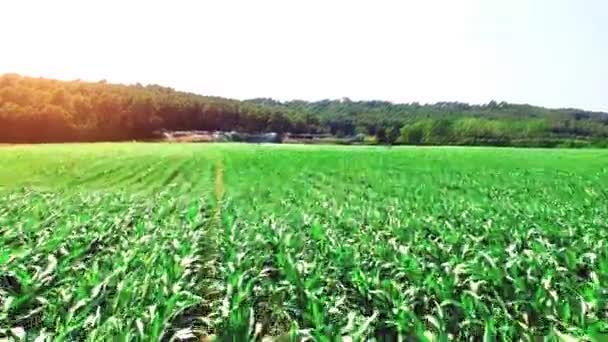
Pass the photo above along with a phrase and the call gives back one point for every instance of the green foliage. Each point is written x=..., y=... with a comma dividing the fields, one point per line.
x=454, y=123
x=41, y=110
x=413, y=134
x=388, y=136
x=242, y=242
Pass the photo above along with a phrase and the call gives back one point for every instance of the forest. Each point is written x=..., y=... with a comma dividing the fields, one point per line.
x=39, y=110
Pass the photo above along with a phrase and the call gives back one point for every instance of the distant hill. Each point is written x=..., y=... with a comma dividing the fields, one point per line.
x=42, y=110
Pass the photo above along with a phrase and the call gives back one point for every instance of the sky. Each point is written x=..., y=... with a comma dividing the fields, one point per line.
x=552, y=53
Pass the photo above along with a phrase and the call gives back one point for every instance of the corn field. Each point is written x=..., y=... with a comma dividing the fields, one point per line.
x=275, y=243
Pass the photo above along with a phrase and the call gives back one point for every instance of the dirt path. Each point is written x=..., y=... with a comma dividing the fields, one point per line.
x=219, y=191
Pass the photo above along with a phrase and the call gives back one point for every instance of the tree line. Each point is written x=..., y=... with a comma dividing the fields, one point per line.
x=34, y=110
x=43, y=110
x=455, y=123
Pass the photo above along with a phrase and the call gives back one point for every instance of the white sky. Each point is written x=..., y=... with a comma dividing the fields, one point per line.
x=544, y=52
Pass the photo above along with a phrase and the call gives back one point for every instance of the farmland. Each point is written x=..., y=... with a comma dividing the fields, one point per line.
x=238, y=242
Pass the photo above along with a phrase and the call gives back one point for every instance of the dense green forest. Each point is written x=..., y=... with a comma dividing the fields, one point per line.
x=42, y=110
